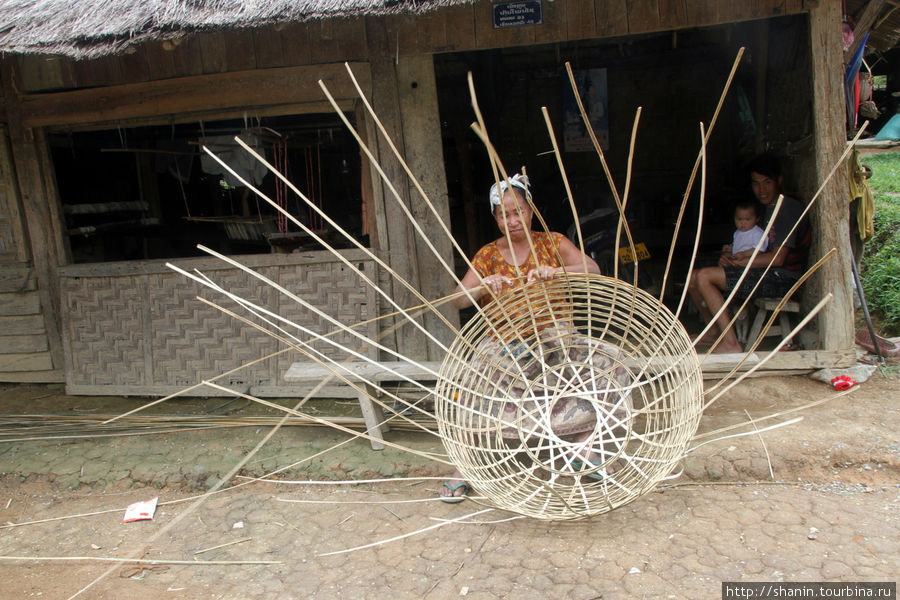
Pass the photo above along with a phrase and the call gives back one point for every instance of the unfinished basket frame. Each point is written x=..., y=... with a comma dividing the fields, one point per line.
x=556, y=371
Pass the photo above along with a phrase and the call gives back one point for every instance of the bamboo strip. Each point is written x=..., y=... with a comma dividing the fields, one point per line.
x=146, y=561
x=406, y=535
x=241, y=541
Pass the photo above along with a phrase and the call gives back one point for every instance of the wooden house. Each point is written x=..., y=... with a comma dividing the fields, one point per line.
x=105, y=104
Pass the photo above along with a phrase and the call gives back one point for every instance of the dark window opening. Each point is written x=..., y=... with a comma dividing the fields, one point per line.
x=152, y=193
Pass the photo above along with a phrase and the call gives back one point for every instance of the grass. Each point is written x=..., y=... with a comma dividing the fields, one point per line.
x=881, y=258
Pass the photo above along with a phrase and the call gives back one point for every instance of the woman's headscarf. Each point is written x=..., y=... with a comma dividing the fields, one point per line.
x=519, y=181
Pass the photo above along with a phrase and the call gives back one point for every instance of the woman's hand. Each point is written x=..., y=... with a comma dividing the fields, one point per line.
x=495, y=283
x=541, y=273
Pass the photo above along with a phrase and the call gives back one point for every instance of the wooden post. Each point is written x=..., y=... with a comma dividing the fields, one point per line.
x=399, y=244
x=830, y=214
x=425, y=157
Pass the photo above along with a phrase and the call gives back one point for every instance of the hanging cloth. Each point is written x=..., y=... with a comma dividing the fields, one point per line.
x=860, y=190
x=235, y=157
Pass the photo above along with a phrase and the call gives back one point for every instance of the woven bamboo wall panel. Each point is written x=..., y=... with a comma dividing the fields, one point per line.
x=144, y=331
x=192, y=341
x=105, y=331
x=341, y=293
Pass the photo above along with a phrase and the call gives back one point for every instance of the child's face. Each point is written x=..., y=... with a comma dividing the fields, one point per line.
x=745, y=218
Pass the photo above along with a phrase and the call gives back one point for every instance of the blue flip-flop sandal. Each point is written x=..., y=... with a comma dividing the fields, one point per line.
x=452, y=498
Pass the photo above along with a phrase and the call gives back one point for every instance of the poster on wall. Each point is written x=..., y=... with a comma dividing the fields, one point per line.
x=592, y=89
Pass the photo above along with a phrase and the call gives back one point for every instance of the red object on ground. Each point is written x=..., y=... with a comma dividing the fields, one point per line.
x=842, y=382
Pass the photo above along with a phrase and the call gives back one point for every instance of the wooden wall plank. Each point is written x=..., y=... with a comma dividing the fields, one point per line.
x=212, y=52
x=25, y=325
x=39, y=361
x=240, y=54
x=323, y=45
x=91, y=73
x=702, y=12
x=459, y=22
x=295, y=43
x=554, y=28
x=17, y=279
x=612, y=17
x=135, y=68
x=260, y=87
x=402, y=33
x=161, y=64
x=267, y=43
x=672, y=14
x=186, y=56
x=794, y=6
x=770, y=8
x=581, y=19
x=45, y=73
x=351, y=37
x=643, y=15
x=23, y=344
x=17, y=304
x=430, y=32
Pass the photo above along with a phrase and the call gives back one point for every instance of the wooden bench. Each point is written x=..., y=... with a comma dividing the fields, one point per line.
x=361, y=373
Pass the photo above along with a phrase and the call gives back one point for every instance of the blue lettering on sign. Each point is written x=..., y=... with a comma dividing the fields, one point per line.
x=514, y=14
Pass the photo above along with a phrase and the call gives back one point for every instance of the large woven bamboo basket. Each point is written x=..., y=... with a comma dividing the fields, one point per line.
x=568, y=398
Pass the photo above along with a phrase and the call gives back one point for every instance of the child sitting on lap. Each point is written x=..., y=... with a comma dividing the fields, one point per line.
x=747, y=231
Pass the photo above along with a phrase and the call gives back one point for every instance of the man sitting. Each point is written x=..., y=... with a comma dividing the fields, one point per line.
x=786, y=252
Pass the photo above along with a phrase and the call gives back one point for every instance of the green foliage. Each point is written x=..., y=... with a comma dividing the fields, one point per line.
x=881, y=259
x=885, y=172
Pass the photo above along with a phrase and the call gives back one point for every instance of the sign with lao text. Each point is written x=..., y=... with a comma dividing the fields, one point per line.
x=514, y=14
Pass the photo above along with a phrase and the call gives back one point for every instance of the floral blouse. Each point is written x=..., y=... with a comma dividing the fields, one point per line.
x=489, y=261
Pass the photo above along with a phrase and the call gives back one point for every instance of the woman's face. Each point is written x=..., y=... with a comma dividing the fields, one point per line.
x=513, y=225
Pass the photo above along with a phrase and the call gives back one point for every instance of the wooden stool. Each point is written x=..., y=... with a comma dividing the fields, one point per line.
x=741, y=323
x=783, y=326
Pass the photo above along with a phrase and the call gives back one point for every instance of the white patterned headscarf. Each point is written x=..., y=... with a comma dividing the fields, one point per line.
x=519, y=181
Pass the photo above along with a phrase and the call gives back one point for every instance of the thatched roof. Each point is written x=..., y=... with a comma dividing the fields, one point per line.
x=89, y=28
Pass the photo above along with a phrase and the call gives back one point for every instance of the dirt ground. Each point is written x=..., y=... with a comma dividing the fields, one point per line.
x=830, y=513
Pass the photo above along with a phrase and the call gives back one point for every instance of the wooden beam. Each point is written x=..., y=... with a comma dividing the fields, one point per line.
x=864, y=22
x=204, y=93
x=829, y=217
x=716, y=366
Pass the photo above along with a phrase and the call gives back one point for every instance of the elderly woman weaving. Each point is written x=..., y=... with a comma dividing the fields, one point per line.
x=501, y=266
x=518, y=257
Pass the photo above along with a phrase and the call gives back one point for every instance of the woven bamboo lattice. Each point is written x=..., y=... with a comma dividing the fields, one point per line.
x=560, y=371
